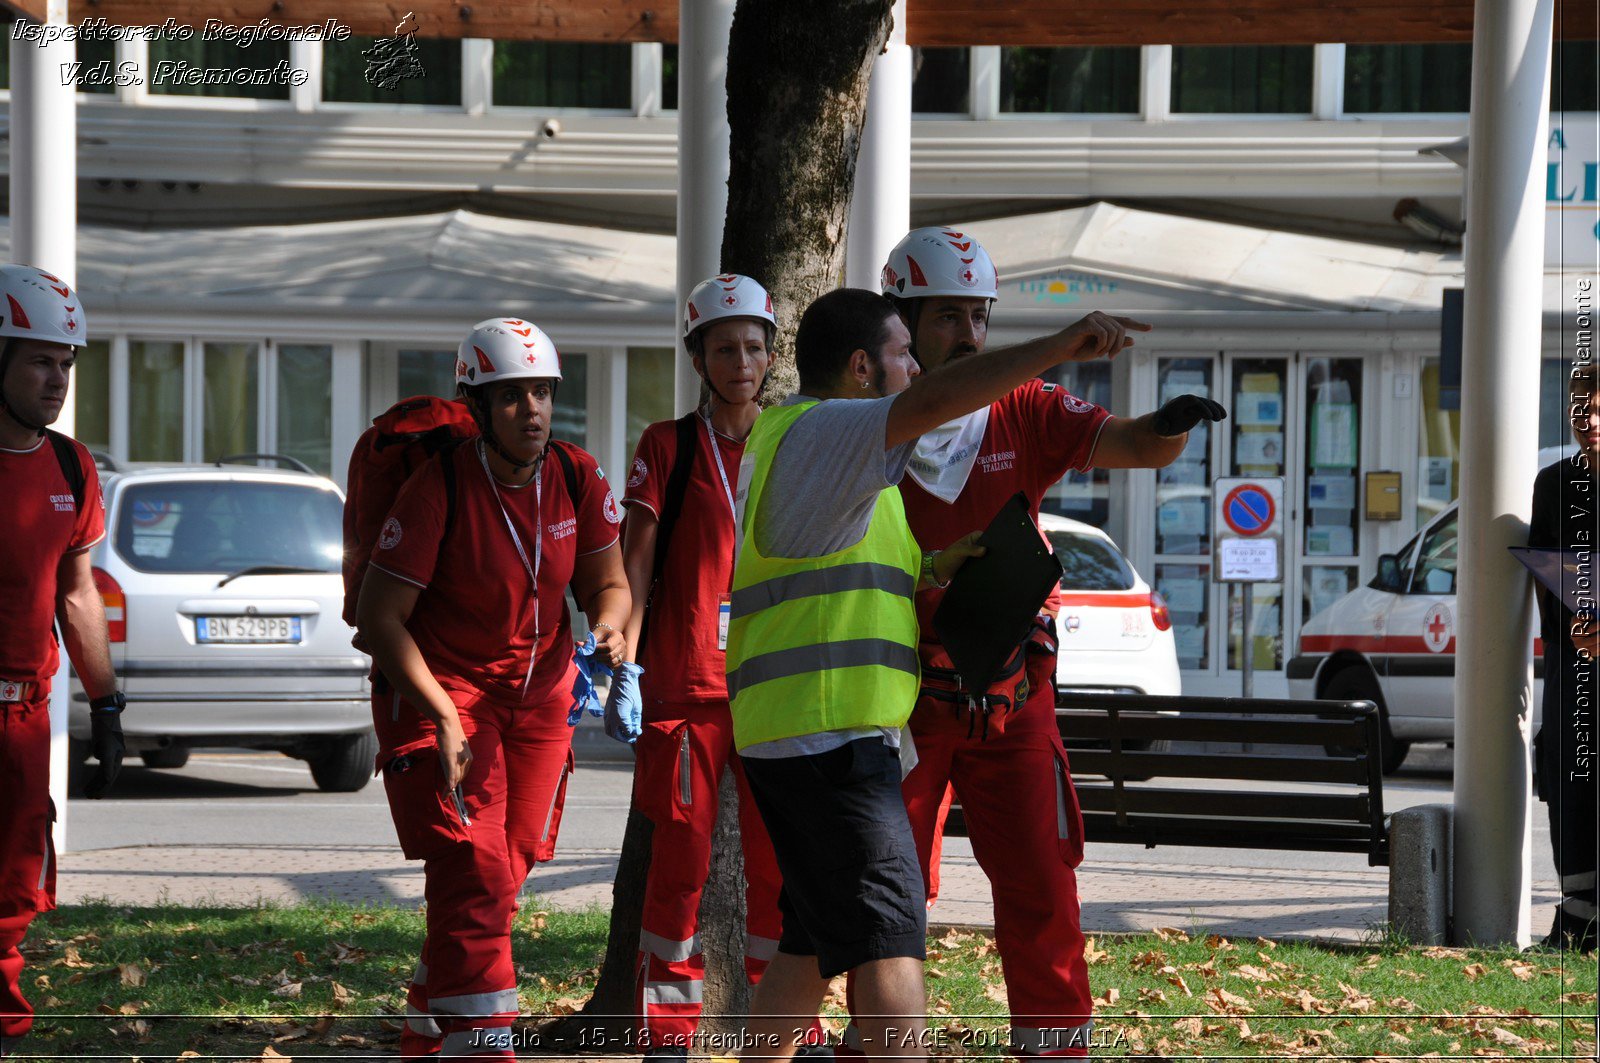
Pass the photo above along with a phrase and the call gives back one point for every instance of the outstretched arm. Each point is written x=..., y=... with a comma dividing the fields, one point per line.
x=1156, y=439
x=974, y=382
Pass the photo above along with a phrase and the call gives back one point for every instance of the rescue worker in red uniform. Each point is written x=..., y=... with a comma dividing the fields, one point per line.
x=54, y=514
x=999, y=748
x=682, y=723
x=464, y=609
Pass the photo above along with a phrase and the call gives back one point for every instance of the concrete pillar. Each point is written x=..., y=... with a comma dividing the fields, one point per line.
x=1419, y=874
x=703, y=29
x=1499, y=404
x=880, y=211
x=44, y=216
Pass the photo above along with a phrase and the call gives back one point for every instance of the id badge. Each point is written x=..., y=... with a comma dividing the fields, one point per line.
x=724, y=614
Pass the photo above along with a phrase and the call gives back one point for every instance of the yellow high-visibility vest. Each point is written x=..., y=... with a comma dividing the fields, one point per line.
x=821, y=643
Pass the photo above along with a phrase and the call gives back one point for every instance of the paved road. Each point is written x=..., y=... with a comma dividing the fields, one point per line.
x=273, y=801
x=235, y=828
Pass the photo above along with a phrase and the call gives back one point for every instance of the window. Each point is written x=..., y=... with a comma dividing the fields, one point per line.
x=1436, y=565
x=571, y=419
x=305, y=414
x=941, y=80
x=650, y=389
x=155, y=400
x=669, y=77
x=427, y=372
x=174, y=63
x=212, y=526
x=562, y=74
x=1241, y=79
x=232, y=400
x=1083, y=494
x=1069, y=80
x=1407, y=78
x=1574, y=77
x=91, y=53
x=1089, y=563
x=344, y=74
x=91, y=395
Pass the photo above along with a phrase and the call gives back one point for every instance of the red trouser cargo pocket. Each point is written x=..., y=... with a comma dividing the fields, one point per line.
x=1069, y=817
x=425, y=817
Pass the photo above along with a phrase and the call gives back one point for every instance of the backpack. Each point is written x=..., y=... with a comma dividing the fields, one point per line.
x=400, y=441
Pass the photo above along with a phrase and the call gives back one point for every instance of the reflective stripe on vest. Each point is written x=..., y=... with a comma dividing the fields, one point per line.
x=820, y=643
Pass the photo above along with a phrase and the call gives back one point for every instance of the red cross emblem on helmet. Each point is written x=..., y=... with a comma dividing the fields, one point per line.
x=729, y=300
x=968, y=276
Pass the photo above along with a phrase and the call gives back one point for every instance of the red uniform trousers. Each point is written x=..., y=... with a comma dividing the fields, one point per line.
x=463, y=998
x=681, y=757
x=27, y=854
x=1027, y=834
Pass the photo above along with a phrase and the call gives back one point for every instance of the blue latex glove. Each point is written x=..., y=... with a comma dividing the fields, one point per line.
x=624, y=710
x=584, y=698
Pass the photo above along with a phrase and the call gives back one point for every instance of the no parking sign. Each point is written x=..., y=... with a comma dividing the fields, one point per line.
x=1248, y=540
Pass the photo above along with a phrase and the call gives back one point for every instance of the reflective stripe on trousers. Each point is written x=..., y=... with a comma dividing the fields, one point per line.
x=685, y=992
x=667, y=949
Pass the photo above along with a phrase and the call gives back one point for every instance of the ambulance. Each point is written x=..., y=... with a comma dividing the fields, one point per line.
x=1393, y=642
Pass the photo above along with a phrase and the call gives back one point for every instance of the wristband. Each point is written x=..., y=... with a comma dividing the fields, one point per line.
x=113, y=703
x=928, y=575
x=603, y=624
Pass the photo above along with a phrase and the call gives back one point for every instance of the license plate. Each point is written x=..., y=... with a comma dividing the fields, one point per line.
x=247, y=628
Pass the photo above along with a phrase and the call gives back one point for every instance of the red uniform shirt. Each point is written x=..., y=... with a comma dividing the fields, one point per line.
x=680, y=657
x=1036, y=435
x=476, y=618
x=44, y=525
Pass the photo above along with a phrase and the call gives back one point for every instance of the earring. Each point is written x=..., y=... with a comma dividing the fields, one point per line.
x=863, y=385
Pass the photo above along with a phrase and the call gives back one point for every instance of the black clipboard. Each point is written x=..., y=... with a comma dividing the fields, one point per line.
x=990, y=605
x=1561, y=572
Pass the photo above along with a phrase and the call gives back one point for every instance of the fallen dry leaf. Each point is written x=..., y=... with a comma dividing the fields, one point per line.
x=1189, y=1025
x=1109, y=997
x=70, y=958
x=131, y=973
x=1474, y=971
x=1253, y=974
x=1266, y=943
x=1228, y=1003
x=1505, y=1037
x=1178, y=981
x=1170, y=933
x=1217, y=941
x=342, y=997
x=1522, y=972
x=1151, y=996
x=996, y=993
x=288, y=991
x=1093, y=955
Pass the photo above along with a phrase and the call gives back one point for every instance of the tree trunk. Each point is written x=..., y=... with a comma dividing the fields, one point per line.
x=606, y=1022
x=721, y=924
x=797, y=97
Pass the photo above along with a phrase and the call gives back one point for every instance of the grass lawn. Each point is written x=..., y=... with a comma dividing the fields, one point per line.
x=325, y=980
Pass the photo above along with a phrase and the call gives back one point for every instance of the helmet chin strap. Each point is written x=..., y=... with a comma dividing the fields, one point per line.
x=486, y=433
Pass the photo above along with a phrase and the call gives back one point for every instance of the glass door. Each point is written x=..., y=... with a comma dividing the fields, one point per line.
x=1330, y=535
x=1259, y=433
x=1183, y=518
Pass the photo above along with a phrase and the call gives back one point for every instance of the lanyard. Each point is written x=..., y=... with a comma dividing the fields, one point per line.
x=516, y=540
x=722, y=471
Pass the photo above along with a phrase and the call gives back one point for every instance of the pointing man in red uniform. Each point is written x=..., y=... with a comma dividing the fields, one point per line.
x=55, y=514
x=1000, y=747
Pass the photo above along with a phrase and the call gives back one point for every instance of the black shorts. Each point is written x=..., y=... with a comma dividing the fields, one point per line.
x=852, y=887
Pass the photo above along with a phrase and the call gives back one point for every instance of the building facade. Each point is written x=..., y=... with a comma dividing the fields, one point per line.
x=267, y=266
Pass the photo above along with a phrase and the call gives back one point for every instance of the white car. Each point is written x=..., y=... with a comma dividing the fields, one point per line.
x=1114, y=631
x=1393, y=642
x=223, y=597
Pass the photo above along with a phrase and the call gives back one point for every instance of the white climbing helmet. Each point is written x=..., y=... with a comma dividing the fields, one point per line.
x=506, y=348
x=39, y=306
x=935, y=261
x=724, y=296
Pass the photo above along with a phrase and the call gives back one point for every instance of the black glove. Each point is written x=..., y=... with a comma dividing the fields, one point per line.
x=105, y=742
x=1179, y=415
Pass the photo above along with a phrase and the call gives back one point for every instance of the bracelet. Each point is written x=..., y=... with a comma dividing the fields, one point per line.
x=603, y=624
x=113, y=703
x=928, y=575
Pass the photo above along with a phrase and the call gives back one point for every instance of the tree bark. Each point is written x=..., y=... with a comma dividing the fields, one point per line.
x=797, y=97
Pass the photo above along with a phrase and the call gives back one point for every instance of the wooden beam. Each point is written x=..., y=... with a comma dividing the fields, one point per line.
x=33, y=9
x=1069, y=23
x=933, y=23
x=613, y=21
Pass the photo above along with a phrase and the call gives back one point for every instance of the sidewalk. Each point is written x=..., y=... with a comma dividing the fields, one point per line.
x=1117, y=895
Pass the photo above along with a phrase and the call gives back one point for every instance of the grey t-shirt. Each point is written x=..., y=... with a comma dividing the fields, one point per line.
x=828, y=472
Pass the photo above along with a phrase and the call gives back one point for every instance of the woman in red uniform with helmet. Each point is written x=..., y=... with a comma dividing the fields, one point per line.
x=464, y=609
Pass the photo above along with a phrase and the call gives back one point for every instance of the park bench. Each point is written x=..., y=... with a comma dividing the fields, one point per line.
x=1151, y=797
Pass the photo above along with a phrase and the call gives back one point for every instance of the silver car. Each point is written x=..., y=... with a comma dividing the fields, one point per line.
x=223, y=595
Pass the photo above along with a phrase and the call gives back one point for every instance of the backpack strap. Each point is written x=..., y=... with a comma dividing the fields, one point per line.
x=71, y=468
x=569, y=472
x=677, y=487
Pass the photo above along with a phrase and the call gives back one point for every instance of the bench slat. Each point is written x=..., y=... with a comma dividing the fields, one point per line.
x=1248, y=766
x=1103, y=797
x=1075, y=726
